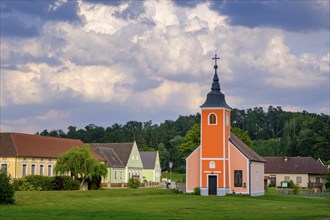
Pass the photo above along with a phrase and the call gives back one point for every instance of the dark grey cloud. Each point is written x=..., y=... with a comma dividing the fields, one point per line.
x=299, y=15
x=66, y=12
x=26, y=18
x=32, y=7
x=107, y=2
x=14, y=26
x=289, y=15
x=133, y=11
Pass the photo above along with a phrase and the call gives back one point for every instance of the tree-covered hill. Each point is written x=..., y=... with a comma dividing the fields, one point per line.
x=273, y=133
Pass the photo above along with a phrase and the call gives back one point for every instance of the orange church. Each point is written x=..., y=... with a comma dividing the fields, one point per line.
x=222, y=164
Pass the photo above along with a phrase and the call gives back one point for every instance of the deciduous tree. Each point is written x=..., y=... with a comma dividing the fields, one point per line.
x=81, y=163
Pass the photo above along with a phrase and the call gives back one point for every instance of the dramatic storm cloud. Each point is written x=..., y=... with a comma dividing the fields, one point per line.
x=79, y=62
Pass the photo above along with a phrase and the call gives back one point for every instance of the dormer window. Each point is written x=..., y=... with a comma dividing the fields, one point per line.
x=212, y=119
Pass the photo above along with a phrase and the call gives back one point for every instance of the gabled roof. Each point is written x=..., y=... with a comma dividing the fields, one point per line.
x=110, y=155
x=244, y=149
x=27, y=145
x=294, y=165
x=148, y=159
x=122, y=150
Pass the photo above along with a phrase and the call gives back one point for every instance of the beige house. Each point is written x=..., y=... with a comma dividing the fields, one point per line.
x=26, y=154
x=303, y=171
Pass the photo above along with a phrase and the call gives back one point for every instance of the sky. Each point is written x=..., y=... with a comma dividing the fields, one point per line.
x=75, y=63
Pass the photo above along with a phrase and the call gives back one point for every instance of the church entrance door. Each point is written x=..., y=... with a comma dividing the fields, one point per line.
x=213, y=185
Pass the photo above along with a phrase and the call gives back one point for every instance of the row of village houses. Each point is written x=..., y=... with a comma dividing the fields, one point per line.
x=26, y=154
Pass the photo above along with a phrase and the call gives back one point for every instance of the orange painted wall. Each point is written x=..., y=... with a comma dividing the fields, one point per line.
x=217, y=170
x=212, y=135
x=238, y=162
x=192, y=171
x=214, y=141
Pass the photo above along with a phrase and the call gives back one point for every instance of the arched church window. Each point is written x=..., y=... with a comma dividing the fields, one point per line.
x=212, y=165
x=227, y=119
x=212, y=119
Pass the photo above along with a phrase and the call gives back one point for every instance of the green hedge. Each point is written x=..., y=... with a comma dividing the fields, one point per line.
x=45, y=183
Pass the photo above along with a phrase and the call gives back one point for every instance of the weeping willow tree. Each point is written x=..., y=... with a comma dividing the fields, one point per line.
x=80, y=163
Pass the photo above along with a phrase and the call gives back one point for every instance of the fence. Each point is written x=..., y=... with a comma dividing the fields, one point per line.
x=304, y=192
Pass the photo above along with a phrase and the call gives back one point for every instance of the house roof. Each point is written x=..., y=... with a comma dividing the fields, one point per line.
x=122, y=150
x=246, y=150
x=27, y=145
x=148, y=159
x=293, y=165
x=110, y=155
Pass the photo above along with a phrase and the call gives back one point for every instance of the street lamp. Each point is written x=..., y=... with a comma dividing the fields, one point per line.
x=170, y=164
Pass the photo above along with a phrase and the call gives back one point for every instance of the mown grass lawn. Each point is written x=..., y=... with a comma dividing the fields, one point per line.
x=159, y=203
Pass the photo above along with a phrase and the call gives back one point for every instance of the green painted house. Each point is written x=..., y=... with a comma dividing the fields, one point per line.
x=151, y=166
x=123, y=161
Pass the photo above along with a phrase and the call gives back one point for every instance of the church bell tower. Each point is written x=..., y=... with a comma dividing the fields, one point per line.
x=215, y=132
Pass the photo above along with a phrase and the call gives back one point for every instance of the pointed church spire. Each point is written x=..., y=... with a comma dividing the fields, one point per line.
x=215, y=84
x=215, y=98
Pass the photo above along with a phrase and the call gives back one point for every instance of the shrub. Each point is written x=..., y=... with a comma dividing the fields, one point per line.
x=134, y=184
x=65, y=183
x=197, y=191
x=6, y=189
x=290, y=184
x=273, y=184
x=38, y=183
x=94, y=183
x=296, y=189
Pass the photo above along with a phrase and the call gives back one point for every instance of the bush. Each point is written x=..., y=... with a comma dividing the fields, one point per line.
x=197, y=191
x=134, y=184
x=6, y=189
x=296, y=189
x=45, y=183
x=37, y=182
x=290, y=184
x=94, y=183
x=65, y=183
x=273, y=184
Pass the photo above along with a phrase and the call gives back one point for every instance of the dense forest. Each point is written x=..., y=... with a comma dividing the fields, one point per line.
x=270, y=133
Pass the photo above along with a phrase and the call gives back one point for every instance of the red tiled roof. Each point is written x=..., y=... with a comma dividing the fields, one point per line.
x=294, y=165
x=27, y=145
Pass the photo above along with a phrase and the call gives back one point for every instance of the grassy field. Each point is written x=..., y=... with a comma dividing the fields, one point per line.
x=159, y=203
x=175, y=176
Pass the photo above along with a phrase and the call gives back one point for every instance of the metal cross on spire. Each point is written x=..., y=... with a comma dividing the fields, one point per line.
x=215, y=58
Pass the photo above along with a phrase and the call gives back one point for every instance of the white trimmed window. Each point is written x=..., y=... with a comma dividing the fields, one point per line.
x=49, y=170
x=33, y=169
x=24, y=170
x=41, y=169
x=4, y=167
x=298, y=179
x=287, y=178
x=121, y=174
x=227, y=119
x=116, y=174
x=212, y=165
